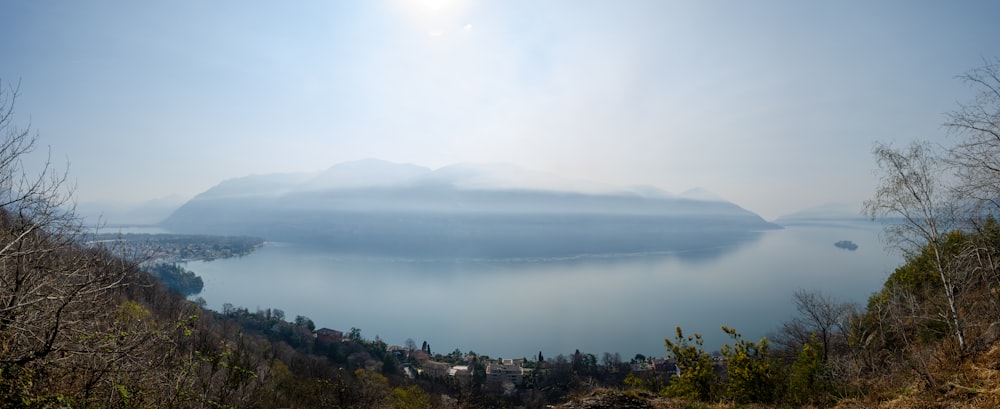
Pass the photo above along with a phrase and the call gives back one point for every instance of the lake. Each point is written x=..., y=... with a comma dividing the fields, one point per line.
x=517, y=307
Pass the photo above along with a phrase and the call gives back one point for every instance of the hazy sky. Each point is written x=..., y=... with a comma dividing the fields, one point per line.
x=771, y=104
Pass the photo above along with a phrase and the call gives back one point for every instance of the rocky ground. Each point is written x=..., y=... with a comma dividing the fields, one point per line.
x=612, y=399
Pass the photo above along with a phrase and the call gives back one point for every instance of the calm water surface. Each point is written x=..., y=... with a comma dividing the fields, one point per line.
x=515, y=308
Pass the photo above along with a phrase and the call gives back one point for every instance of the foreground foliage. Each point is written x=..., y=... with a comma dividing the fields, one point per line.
x=697, y=380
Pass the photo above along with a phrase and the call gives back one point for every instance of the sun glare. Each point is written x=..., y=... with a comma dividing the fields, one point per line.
x=434, y=5
x=438, y=18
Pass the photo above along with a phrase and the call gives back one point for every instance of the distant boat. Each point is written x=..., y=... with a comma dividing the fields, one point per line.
x=846, y=245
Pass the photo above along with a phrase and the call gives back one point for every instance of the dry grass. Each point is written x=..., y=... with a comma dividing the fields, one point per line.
x=972, y=383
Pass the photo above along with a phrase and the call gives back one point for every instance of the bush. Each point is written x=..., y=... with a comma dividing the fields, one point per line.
x=697, y=379
x=752, y=373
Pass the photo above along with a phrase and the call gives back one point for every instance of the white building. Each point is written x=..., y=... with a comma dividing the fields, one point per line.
x=508, y=370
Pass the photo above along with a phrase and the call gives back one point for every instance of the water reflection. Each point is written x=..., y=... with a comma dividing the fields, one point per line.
x=693, y=249
x=515, y=307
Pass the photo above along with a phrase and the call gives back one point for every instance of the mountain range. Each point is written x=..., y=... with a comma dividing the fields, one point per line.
x=499, y=210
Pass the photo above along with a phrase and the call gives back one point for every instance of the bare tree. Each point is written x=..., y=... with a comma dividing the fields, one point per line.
x=911, y=190
x=981, y=258
x=975, y=159
x=55, y=297
x=976, y=156
x=819, y=315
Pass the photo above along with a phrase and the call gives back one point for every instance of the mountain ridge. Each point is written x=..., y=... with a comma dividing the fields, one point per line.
x=484, y=210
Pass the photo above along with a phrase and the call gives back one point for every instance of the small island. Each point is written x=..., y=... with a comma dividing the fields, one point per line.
x=846, y=245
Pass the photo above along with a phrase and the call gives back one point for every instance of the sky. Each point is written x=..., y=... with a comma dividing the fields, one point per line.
x=774, y=105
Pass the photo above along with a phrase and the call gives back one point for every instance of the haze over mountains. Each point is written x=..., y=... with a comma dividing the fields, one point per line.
x=829, y=213
x=463, y=210
x=145, y=213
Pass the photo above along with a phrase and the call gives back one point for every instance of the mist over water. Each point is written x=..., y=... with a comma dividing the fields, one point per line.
x=625, y=303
